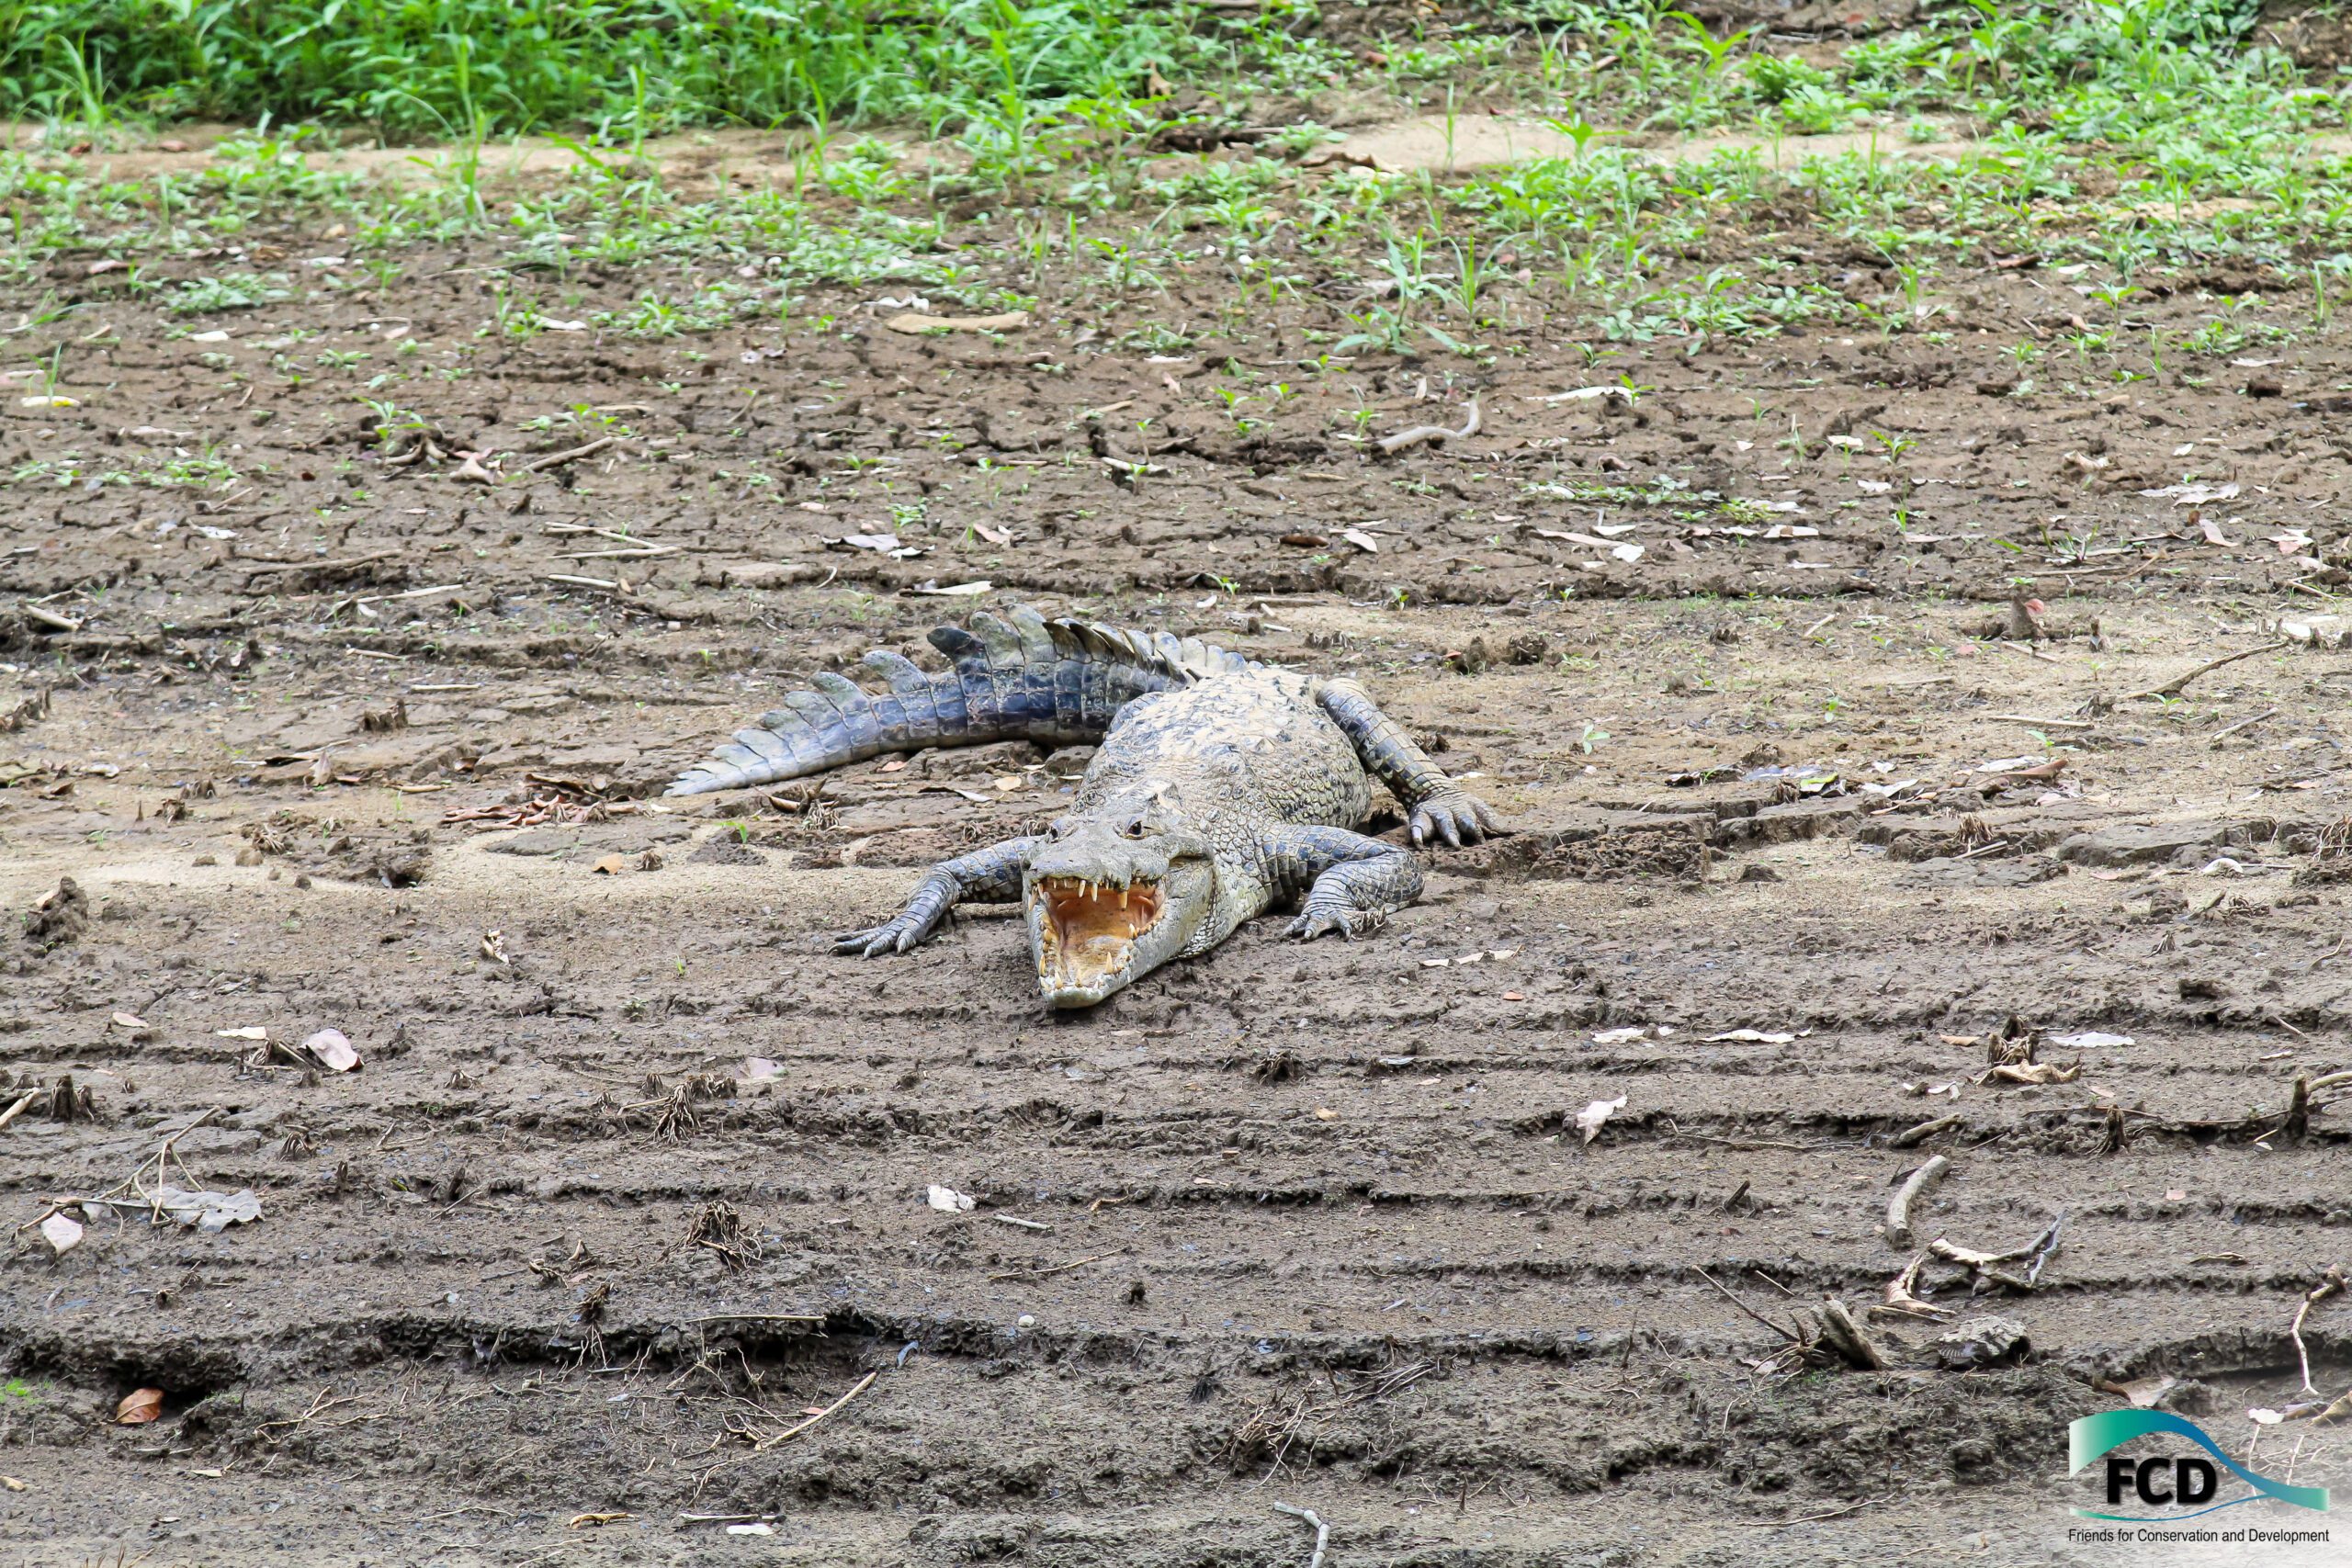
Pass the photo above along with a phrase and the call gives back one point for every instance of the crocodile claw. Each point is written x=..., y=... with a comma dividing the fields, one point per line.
x=900, y=935
x=1455, y=816
x=1349, y=923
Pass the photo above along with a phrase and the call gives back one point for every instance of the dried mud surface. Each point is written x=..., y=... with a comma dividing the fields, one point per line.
x=1310, y=1225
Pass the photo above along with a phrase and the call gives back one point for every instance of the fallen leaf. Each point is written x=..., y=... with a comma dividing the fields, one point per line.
x=139, y=1407
x=2193, y=494
x=1361, y=540
x=251, y=1032
x=2176, y=1195
x=50, y=400
x=208, y=1211
x=759, y=1069
x=2265, y=1417
x=993, y=536
x=129, y=1020
x=1585, y=395
x=756, y=1528
x=63, y=1235
x=2213, y=535
x=2089, y=1040
x=1589, y=1119
x=2033, y=1073
x=1513, y=997
x=955, y=591
x=11, y=1483
x=100, y=268
x=611, y=865
x=2142, y=1392
x=494, y=948
x=947, y=1200
x=332, y=1050
x=915, y=323
x=595, y=1521
x=1323, y=1115
x=1755, y=1037
x=1622, y=1036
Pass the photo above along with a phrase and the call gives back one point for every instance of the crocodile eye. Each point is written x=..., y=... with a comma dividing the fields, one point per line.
x=1134, y=829
x=1059, y=830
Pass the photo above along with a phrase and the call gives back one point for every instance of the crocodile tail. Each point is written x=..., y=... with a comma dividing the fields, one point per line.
x=1020, y=677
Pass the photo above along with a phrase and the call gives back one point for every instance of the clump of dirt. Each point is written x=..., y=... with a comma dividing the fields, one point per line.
x=59, y=917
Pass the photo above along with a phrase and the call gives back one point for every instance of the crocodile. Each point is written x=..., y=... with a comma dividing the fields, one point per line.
x=1220, y=788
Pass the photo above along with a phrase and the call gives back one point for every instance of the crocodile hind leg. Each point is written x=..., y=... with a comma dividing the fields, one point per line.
x=1351, y=882
x=1437, y=806
x=991, y=875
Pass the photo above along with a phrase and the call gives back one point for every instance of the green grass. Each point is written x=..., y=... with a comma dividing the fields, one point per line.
x=407, y=68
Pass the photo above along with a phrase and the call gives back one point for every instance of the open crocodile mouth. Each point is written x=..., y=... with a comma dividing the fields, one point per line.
x=1090, y=928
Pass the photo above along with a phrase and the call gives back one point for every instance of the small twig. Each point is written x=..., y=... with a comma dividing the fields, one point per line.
x=1898, y=1209
x=50, y=618
x=576, y=452
x=1322, y=1530
x=1911, y=1137
x=262, y=567
x=1777, y=1328
x=2329, y=1284
x=1420, y=432
x=1810, y=1518
x=2030, y=718
x=18, y=1109
x=1058, y=1269
x=2220, y=734
x=791, y=1432
x=2173, y=687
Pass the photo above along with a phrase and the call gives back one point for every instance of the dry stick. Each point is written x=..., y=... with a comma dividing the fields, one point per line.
x=2329, y=1284
x=1420, y=432
x=1925, y=1131
x=1898, y=1209
x=552, y=459
x=18, y=1109
x=2173, y=687
x=1783, y=1333
x=752, y=1317
x=1809, y=1519
x=2220, y=734
x=1322, y=1530
x=259, y=569
x=50, y=618
x=1058, y=1269
x=790, y=1432
x=2053, y=723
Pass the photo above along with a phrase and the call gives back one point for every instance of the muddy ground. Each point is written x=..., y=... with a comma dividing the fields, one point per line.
x=555, y=1275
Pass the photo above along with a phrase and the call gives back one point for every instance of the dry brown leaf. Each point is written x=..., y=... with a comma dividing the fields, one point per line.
x=332, y=1050
x=611, y=865
x=63, y=1233
x=1589, y=1119
x=916, y=322
x=139, y=1407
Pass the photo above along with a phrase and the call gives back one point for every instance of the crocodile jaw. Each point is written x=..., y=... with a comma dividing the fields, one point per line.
x=1090, y=937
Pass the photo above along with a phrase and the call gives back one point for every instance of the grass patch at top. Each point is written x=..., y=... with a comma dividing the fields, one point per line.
x=416, y=68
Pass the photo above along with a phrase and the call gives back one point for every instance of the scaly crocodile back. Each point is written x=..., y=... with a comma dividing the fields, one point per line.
x=1058, y=682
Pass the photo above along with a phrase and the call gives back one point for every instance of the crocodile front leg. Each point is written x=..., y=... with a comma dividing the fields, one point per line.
x=1437, y=808
x=1351, y=882
x=991, y=875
